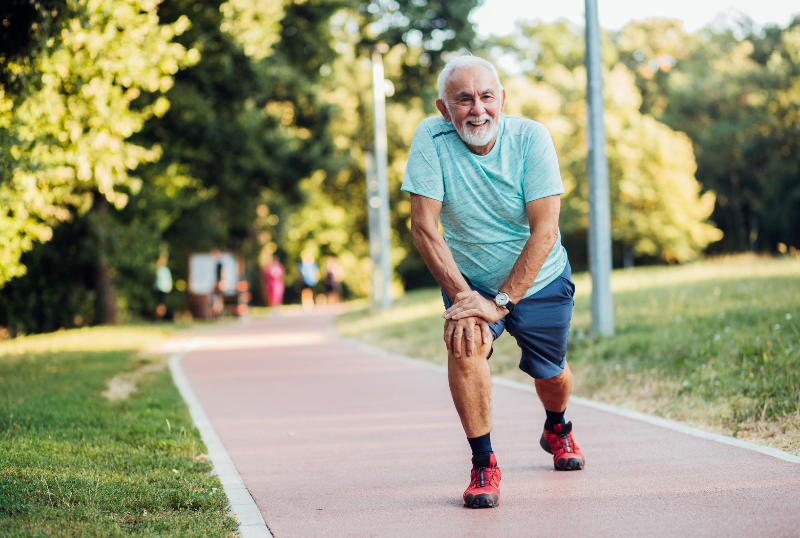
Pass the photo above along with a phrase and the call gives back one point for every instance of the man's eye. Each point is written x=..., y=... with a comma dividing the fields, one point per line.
x=488, y=97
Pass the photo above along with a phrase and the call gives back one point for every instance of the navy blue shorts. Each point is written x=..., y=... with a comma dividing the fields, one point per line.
x=540, y=324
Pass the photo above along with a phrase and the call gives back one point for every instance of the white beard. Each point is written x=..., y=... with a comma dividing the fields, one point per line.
x=481, y=136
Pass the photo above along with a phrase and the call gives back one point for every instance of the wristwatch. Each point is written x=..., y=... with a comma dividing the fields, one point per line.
x=503, y=300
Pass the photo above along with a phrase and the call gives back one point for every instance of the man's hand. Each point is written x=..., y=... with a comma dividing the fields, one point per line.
x=471, y=303
x=462, y=335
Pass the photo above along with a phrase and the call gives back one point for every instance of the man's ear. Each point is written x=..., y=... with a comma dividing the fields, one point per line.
x=443, y=109
x=503, y=102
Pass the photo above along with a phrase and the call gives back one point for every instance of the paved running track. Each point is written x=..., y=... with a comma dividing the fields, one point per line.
x=334, y=441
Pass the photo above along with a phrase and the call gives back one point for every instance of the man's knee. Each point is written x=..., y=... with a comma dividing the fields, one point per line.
x=557, y=381
x=479, y=355
x=467, y=339
x=554, y=391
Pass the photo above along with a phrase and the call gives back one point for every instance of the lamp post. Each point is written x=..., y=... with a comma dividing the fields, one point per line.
x=381, y=165
x=599, y=211
x=373, y=203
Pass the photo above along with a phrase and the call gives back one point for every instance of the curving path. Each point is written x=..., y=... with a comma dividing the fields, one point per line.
x=335, y=441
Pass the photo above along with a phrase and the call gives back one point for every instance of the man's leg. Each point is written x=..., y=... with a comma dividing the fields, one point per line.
x=540, y=324
x=554, y=392
x=557, y=436
x=471, y=388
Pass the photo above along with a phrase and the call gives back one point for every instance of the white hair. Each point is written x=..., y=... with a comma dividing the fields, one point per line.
x=463, y=62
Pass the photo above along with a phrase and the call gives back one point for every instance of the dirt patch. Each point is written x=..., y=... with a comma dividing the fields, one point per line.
x=121, y=386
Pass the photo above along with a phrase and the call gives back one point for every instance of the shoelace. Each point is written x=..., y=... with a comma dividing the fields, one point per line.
x=567, y=443
x=481, y=477
x=563, y=440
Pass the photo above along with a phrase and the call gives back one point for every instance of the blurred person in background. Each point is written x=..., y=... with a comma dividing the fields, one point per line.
x=163, y=286
x=274, y=273
x=217, y=300
x=309, y=275
x=334, y=275
x=494, y=183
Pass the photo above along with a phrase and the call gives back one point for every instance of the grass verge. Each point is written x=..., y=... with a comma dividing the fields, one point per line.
x=73, y=463
x=715, y=344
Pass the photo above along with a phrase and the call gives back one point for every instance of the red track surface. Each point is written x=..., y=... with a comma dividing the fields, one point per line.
x=333, y=441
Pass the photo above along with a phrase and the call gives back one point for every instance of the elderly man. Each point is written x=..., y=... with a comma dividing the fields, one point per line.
x=493, y=182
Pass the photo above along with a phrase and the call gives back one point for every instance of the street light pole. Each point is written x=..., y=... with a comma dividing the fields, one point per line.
x=373, y=203
x=381, y=161
x=599, y=211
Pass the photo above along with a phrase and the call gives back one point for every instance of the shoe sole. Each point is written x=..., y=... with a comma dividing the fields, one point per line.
x=566, y=464
x=482, y=500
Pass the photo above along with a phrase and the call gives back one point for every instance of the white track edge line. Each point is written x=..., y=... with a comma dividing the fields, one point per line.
x=585, y=402
x=248, y=516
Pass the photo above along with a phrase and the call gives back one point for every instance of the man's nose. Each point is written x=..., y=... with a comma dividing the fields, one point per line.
x=478, y=108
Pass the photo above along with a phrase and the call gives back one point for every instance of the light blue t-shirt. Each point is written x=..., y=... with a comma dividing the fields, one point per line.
x=164, y=279
x=483, y=197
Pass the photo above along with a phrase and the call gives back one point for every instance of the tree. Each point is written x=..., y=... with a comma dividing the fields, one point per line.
x=65, y=143
x=733, y=91
x=650, y=49
x=29, y=28
x=419, y=36
x=249, y=127
x=656, y=207
x=254, y=23
x=426, y=31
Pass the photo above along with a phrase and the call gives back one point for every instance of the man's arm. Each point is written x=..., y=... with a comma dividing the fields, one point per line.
x=440, y=262
x=432, y=247
x=543, y=218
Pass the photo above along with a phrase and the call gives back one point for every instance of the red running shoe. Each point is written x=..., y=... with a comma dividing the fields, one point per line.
x=484, y=484
x=559, y=442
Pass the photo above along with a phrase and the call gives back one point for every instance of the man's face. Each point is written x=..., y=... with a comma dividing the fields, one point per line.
x=473, y=105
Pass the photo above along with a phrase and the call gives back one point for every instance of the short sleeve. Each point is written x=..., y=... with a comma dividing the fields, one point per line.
x=424, y=172
x=542, y=174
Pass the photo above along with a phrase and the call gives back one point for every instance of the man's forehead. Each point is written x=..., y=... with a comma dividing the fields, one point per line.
x=469, y=79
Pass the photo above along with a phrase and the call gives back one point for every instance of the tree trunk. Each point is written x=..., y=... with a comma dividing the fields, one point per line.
x=105, y=296
x=627, y=256
x=740, y=233
x=753, y=221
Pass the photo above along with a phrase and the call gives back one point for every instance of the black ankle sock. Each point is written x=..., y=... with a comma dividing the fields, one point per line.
x=553, y=418
x=480, y=445
x=482, y=460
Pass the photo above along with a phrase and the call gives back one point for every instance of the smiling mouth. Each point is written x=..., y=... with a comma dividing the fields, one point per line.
x=478, y=124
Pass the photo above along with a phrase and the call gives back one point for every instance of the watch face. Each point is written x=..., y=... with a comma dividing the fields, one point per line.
x=501, y=299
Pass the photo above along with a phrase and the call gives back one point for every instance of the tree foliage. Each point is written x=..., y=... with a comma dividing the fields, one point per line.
x=28, y=28
x=425, y=31
x=332, y=217
x=254, y=23
x=244, y=125
x=68, y=139
x=738, y=99
x=656, y=206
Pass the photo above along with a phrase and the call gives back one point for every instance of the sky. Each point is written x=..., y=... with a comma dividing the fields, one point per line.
x=498, y=16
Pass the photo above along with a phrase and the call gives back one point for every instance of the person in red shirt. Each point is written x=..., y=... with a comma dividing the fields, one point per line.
x=274, y=273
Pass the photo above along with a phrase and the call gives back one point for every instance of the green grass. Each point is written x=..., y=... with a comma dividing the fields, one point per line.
x=73, y=463
x=714, y=344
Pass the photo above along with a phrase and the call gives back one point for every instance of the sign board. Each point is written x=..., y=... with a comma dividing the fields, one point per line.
x=203, y=273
